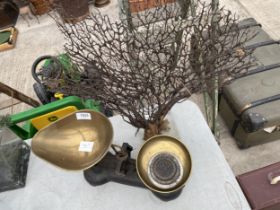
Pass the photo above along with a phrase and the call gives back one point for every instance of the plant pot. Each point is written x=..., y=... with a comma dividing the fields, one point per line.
x=8, y=14
x=101, y=3
x=72, y=11
x=141, y=5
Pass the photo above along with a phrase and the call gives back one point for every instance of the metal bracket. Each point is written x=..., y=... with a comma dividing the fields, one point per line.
x=123, y=155
x=253, y=122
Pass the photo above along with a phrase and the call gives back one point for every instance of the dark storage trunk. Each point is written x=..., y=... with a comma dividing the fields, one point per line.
x=73, y=10
x=260, y=193
x=250, y=105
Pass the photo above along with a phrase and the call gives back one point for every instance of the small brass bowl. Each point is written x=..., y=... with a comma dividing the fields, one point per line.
x=164, y=164
x=74, y=142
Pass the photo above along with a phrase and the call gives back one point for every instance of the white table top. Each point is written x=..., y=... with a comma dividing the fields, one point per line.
x=211, y=186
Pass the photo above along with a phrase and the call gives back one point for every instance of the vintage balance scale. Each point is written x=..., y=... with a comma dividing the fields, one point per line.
x=14, y=153
x=82, y=139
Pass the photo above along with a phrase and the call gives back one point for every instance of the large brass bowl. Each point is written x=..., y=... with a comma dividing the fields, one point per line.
x=158, y=145
x=60, y=142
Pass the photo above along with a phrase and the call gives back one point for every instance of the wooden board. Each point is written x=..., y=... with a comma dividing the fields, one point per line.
x=8, y=103
x=18, y=95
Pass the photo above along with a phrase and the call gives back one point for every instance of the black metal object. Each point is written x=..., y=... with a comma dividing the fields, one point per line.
x=111, y=168
x=249, y=118
x=260, y=102
x=252, y=122
x=40, y=74
x=42, y=93
x=121, y=168
x=250, y=25
x=164, y=169
x=52, y=71
x=55, y=71
x=261, y=44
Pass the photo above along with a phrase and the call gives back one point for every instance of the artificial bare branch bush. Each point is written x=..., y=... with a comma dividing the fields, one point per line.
x=143, y=65
x=220, y=46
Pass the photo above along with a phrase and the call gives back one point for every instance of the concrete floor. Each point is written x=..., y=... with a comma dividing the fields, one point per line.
x=43, y=37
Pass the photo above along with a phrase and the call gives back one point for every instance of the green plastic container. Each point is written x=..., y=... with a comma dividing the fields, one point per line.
x=27, y=131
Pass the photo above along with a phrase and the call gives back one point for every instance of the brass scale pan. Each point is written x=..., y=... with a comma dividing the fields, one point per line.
x=81, y=139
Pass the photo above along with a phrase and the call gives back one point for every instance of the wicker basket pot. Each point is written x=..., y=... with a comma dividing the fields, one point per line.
x=73, y=10
x=39, y=7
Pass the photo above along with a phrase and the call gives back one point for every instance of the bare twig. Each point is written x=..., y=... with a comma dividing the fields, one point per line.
x=141, y=72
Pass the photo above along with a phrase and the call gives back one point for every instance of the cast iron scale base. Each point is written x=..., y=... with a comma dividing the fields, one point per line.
x=121, y=168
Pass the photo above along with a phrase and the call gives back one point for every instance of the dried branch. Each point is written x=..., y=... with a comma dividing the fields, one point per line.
x=140, y=67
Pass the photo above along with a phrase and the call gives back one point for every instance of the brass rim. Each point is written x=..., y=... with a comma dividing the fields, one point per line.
x=150, y=148
x=62, y=150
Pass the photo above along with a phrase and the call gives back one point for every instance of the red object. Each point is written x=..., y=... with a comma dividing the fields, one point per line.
x=260, y=193
x=141, y=5
x=40, y=7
